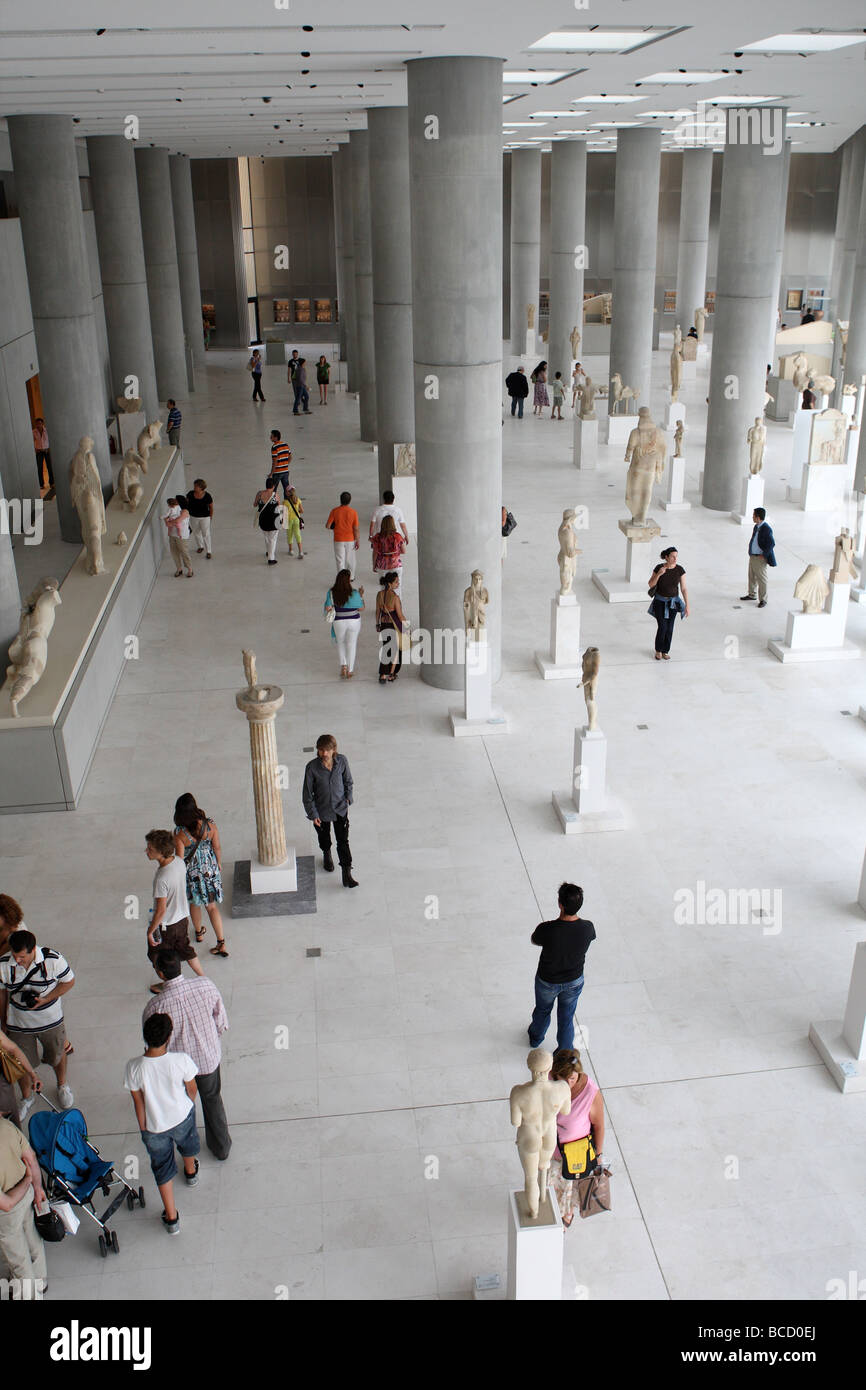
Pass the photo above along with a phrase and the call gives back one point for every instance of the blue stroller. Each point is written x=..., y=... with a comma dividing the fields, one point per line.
x=74, y=1170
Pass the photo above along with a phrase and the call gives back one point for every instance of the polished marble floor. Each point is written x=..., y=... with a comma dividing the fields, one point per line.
x=408, y=1031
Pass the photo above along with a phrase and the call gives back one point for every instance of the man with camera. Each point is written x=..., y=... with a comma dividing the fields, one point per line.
x=32, y=983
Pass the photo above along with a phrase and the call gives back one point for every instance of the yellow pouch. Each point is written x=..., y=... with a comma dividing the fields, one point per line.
x=577, y=1154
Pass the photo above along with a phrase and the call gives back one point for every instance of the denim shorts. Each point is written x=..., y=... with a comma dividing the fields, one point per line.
x=160, y=1147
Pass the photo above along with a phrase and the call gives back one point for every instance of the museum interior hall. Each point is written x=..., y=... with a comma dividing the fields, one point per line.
x=476, y=908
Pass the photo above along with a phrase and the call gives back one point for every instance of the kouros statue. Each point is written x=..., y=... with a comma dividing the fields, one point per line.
x=700, y=322
x=645, y=456
x=574, y=339
x=844, y=570
x=589, y=684
x=568, y=552
x=678, y=439
x=534, y=1108
x=29, y=650
x=801, y=371
x=404, y=466
x=621, y=395
x=129, y=487
x=676, y=368
x=475, y=601
x=812, y=588
x=148, y=439
x=86, y=490
x=128, y=405
x=586, y=394
x=678, y=338
x=756, y=438
x=530, y=316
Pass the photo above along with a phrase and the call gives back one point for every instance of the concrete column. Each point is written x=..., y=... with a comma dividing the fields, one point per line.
x=635, y=232
x=359, y=143
x=121, y=258
x=781, y=224
x=525, y=242
x=839, y=236
x=695, y=193
x=748, y=222
x=337, y=191
x=45, y=162
x=567, y=231
x=163, y=281
x=855, y=353
x=455, y=196
x=347, y=306
x=10, y=598
x=180, y=174
x=852, y=221
x=391, y=238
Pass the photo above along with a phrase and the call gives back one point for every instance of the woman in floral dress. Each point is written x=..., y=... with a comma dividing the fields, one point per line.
x=197, y=842
x=540, y=398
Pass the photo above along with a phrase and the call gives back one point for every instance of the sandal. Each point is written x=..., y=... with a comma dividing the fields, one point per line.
x=219, y=949
x=178, y=573
x=200, y=933
x=382, y=680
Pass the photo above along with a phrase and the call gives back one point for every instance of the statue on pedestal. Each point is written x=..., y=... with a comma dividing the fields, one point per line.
x=530, y=316
x=28, y=651
x=844, y=570
x=812, y=588
x=568, y=552
x=86, y=490
x=148, y=439
x=825, y=385
x=534, y=1108
x=589, y=684
x=645, y=455
x=475, y=601
x=756, y=437
x=128, y=405
x=801, y=371
x=129, y=488
x=700, y=322
x=574, y=339
x=678, y=439
x=621, y=395
x=676, y=368
x=586, y=394
x=405, y=464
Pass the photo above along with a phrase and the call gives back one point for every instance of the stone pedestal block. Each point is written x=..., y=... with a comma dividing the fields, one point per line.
x=752, y=497
x=674, y=411
x=587, y=807
x=534, y=1251
x=585, y=443
x=818, y=636
x=479, y=715
x=564, y=658
x=842, y=1045
x=674, y=500
x=615, y=429
x=627, y=590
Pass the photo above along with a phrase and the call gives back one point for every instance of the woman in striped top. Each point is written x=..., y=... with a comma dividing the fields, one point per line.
x=346, y=604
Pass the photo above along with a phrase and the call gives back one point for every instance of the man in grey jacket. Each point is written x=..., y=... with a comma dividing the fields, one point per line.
x=327, y=796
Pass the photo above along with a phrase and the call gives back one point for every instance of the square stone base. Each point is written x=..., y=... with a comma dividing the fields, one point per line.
x=848, y=1073
x=619, y=590
x=461, y=727
x=248, y=904
x=278, y=878
x=848, y=652
x=576, y=822
x=640, y=534
x=549, y=671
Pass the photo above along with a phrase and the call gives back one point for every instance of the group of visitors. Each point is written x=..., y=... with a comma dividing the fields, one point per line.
x=344, y=603
x=517, y=386
x=189, y=517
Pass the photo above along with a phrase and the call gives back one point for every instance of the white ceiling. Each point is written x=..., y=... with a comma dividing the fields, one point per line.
x=196, y=77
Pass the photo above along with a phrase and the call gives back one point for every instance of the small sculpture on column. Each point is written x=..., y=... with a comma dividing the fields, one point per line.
x=260, y=704
x=645, y=455
x=589, y=685
x=574, y=339
x=756, y=438
x=568, y=552
x=475, y=601
x=812, y=588
x=678, y=439
x=28, y=651
x=700, y=322
x=620, y=395
x=530, y=316
x=534, y=1108
x=129, y=488
x=586, y=394
x=148, y=439
x=404, y=466
x=86, y=490
x=128, y=405
x=801, y=371
x=844, y=570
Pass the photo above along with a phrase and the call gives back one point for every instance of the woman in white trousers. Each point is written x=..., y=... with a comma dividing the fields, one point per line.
x=343, y=607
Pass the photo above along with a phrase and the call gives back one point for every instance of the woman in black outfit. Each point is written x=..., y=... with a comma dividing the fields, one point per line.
x=669, y=597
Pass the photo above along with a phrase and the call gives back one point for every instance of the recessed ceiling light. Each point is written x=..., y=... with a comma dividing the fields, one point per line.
x=544, y=75
x=554, y=115
x=803, y=43
x=597, y=40
x=695, y=75
x=512, y=125
x=601, y=99
x=614, y=125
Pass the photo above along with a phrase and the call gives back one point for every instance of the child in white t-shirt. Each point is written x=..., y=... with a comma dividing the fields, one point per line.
x=163, y=1092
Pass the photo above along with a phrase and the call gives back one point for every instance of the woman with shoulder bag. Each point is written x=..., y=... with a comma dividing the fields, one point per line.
x=343, y=607
x=665, y=584
x=294, y=511
x=390, y=624
x=197, y=843
x=267, y=506
x=580, y=1133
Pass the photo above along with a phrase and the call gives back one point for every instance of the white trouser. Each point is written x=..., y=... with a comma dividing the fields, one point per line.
x=344, y=555
x=346, y=631
x=200, y=528
x=271, y=538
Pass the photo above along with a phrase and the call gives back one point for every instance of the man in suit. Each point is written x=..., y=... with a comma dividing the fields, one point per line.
x=761, y=554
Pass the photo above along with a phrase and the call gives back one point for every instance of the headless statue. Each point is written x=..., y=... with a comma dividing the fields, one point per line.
x=568, y=552
x=589, y=683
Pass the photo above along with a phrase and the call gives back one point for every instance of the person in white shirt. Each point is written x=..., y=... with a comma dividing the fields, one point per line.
x=163, y=1090
x=33, y=981
x=177, y=524
x=388, y=507
x=168, y=928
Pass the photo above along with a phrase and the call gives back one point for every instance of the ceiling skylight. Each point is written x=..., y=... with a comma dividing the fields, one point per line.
x=602, y=99
x=545, y=75
x=803, y=43
x=670, y=79
x=554, y=115
x=598, y=40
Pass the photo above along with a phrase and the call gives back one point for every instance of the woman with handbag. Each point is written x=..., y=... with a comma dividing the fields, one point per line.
x=197, y=843
x=294, y=520
x=343, y=607
x=13, y=1065
x=323, y=377
x=666, y=583
x=390, y=624
x=580, y=1133
x=388, y=546
x=268, y=507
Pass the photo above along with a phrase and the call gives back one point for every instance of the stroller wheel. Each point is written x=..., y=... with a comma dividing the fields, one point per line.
x=141, y=1201
x=103, y=1248
x=115, y=1243
x=130, y=1200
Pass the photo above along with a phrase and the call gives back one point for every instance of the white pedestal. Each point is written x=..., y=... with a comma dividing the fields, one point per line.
x=405, y=496
x=585, y=443
x=799, y=454
x=564, y=659
x=690, y=371
x=861, y=893
x=587, y=807
x=479, y=715
x=535, y=1252
x=674, y=501
x=281, y=878
x=674, y=411
x=530, y=342
x=849, y=406
x=818, y=636
x=752, y=496
x=851, y=447
x=842, y=1046
x=615, y=429
x=822, y=487
x=129, y=427
x=631, y=589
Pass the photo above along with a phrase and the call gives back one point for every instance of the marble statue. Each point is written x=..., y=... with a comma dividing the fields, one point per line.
x=122, y=538
x=678, y=439
x=86, y=490
x=678, y=338
x=128, y=405
x=801, y=371
x=827, y=441
x=568, y=552
x=129, y=488
x=534, y=1108
x=28, y=652
x=475, y=601
x=844, y=570
x=690, y=348
x=404, y=466
x=621, y=394
x=756, y=438
x=148, y=440
x=589, y=684
x=812, y=588
x=645, y=456
x=849, y=390
x=824, y=385
x=574, y=339
x=530, y=316
x=586, y=394
x=700, y=322
x=676, y=368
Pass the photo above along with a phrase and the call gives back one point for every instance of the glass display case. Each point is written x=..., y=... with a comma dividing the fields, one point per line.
x=282, y=311
x=302, y=311
x=322, y=309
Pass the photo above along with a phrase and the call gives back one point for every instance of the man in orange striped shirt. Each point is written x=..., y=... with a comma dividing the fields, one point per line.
x=281, y=457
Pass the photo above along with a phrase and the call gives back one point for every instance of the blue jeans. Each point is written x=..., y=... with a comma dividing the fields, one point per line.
x=160, y=1147
x=565, y=996
x=517, y=402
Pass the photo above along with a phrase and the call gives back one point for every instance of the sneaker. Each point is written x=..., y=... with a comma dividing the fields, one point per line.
x=65, y=1096
x=191, y=1178
x=25, y=1106
x=172, y=1227
x=273, y=562
x=763, y=603
x=747, y=598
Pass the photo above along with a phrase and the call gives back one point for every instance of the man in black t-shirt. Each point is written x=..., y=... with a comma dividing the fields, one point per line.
x=564, y=943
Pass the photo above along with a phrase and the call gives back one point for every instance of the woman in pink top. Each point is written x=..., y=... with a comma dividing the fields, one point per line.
x=586, y=1117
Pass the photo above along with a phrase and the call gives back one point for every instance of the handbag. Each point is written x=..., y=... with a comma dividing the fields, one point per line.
x=11, y=1067
x=593, y=1192
x=49, y=1226
x=577, y=1154
x=509, y=524
x=297, y=513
